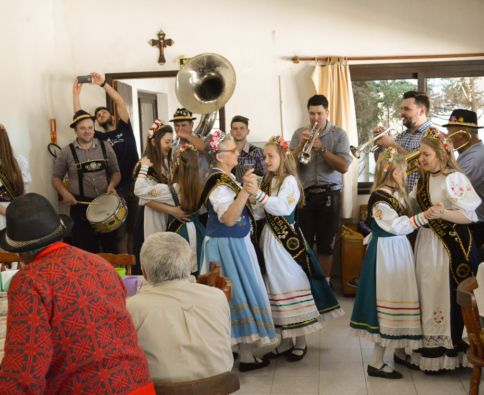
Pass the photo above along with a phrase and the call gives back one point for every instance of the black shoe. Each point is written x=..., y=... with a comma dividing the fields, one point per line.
x=354, y=282
x=374, y=372
x=248, y=366
x=276, y=353
x=296, y=357
x=405, y=362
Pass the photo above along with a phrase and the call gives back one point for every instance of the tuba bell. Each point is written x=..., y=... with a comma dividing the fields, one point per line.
x=203, y=86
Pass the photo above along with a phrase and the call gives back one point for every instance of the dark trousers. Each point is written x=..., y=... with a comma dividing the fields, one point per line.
x=319, y=219
x=83, y=235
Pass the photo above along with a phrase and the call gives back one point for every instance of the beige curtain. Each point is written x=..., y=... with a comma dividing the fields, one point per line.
x=333, y=80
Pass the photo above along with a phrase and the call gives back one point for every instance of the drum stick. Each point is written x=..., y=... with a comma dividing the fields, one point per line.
x=86, y=203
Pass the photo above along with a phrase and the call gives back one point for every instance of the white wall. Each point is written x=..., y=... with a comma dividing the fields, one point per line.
x=45, y=44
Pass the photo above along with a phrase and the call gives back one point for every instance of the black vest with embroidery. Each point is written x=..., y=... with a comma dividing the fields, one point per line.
x=380, y=196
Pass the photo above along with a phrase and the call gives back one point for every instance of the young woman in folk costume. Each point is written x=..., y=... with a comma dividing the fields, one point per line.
x=387, y=308
x=14, y=175
x=152, y=174
x=444, y=255
x=228, y=241
x=299, y=295
x=185, y=193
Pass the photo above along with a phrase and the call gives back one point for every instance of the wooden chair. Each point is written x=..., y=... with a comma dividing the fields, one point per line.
x=221, y=384
x=475, y=352
x=126, y=260
x=7, y=258
x=214, y=278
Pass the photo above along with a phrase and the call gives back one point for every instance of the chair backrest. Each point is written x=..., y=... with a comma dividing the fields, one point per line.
x=126, y=260
x=214, y=278
x=6, y=258
x=221, y=384
x=470, y=314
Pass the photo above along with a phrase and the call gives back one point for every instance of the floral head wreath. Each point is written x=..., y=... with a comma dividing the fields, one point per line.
x=154, y=127
x=436, y=134
x=280, y=142
x=390, y=156
x=183, y=148
x=216, y=137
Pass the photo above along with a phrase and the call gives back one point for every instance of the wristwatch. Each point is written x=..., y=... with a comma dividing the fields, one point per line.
x=323, y=150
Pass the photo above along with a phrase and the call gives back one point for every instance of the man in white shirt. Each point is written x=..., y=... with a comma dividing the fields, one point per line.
x=183, y=327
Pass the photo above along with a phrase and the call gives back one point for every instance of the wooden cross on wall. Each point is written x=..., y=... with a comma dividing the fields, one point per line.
x=161, y=43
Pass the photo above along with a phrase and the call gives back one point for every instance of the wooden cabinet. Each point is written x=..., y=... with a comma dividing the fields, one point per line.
x=352, y=253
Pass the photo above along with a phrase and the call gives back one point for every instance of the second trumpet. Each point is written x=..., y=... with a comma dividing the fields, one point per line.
x=367, y=146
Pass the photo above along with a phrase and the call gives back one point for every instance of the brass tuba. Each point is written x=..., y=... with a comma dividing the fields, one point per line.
x=203, y=86
x=305, y=155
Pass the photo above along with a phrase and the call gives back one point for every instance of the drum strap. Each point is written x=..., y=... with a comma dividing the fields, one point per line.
x=90, y=166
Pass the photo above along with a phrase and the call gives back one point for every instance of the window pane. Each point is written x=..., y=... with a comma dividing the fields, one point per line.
x=377, y=103
x=447, y=94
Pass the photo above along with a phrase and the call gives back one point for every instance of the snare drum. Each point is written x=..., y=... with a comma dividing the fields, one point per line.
x=106, y=213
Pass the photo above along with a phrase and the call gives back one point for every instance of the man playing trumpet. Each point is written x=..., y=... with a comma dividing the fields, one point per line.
x=414, y=112
x=322, y=178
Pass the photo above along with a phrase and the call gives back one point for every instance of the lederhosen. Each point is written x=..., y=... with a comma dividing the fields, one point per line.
x=457, y=240
x=83, y=235
x=91, y=166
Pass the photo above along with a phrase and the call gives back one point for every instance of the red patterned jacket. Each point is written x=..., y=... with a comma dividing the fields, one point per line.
x=68, y=330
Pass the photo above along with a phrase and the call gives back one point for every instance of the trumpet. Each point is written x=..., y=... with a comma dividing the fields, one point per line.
x=305, y=155
x=363, y=147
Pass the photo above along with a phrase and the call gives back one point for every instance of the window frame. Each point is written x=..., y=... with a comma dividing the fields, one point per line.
x=419, y=71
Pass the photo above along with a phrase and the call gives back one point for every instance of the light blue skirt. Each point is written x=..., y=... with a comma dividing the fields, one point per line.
x=249, y=307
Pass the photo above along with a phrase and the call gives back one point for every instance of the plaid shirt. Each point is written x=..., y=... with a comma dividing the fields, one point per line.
x=250, y=155
x=411, y=142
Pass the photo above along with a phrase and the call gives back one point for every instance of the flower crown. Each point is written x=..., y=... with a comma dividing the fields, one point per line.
x=154, y=127
x=216, y=137
x=436, y=134
x=280, y=142
x=183, y=148
x=390, y=156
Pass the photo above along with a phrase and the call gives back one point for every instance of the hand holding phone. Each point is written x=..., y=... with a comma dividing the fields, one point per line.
x=84, y=79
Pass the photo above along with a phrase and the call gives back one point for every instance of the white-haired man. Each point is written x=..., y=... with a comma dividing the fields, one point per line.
x=183, y=327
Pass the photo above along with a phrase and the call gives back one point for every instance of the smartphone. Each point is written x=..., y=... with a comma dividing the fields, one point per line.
x=83, y=79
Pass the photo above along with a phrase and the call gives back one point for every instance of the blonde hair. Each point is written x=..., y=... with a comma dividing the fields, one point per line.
x=287, y=166
x=446, y=158
x=384, y=175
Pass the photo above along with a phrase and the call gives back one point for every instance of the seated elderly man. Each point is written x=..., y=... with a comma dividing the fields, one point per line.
x=68, y=330
x=183, y=327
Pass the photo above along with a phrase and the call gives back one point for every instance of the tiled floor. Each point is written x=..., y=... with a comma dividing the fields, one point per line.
x=336, y=365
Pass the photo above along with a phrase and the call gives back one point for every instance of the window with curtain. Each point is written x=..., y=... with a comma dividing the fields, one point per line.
x=378, y=89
